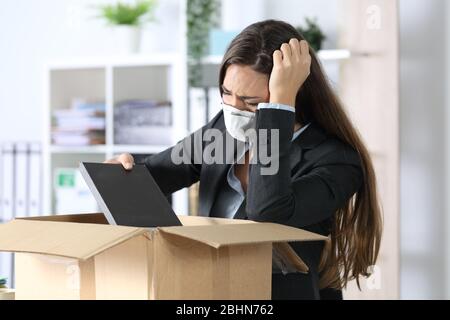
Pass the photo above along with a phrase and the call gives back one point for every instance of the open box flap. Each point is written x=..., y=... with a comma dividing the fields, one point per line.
x=96, y=218
x=218, y=235
x=72, y=240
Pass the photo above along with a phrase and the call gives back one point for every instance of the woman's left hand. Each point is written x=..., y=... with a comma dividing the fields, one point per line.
x=291, y=68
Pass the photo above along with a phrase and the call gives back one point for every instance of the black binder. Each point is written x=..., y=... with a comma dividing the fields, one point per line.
x=128, y=198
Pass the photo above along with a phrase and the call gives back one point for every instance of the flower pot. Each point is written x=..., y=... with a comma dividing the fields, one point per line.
x=127, y=39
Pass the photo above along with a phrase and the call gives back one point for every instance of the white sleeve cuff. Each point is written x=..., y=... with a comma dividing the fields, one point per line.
x=278, y=106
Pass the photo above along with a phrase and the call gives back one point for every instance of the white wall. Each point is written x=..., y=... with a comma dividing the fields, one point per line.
x=34, y=32
x=424, y=83
x=237, y=14
x=326, y=12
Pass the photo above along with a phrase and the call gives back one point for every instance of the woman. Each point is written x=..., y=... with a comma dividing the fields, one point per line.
x=324, y=181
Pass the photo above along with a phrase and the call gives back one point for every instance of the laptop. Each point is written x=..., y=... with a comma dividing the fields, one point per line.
x=128, y=198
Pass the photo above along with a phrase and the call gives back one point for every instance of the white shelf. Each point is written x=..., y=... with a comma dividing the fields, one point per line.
x=161, y=77
x=78, y=149
x=324, y=55
x=93, y=149
x=157, y=59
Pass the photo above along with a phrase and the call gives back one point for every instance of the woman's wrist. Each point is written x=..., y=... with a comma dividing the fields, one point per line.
x=283, y=99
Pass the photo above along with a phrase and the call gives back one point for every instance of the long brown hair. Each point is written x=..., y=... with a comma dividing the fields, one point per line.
x=356, y=233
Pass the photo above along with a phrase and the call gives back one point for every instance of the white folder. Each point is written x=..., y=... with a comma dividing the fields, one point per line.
x=7, y=182
x=35, y=181
x=21, y=183
x=6, y=204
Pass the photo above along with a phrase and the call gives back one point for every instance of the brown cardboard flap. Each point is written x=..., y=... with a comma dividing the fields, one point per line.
x=96, y=218
x=72, y=240
x=233, y=234
x=99, y=218
x=288, y=258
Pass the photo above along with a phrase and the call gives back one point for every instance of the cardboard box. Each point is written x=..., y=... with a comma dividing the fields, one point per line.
x=82, y=257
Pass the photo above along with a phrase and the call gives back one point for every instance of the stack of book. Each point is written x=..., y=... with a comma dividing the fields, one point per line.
x=82, y=124
x=143, y=122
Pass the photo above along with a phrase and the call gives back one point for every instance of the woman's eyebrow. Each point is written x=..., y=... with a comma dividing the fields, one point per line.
x=240, y=97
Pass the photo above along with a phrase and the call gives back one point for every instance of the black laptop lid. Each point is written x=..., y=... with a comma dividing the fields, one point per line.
x=128, y=198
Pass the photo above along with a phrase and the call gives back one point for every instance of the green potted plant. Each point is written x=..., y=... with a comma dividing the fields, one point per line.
x=127, y=20
x=201, y=18
x=312, y=33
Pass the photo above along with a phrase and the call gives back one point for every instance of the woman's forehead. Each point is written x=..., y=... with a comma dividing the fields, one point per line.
x=244, y=81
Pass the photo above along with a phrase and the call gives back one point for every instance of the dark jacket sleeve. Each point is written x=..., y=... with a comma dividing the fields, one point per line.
x=307, y=199
x=171, y=175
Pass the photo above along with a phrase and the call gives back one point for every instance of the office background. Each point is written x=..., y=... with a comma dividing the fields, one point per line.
x=46, y=44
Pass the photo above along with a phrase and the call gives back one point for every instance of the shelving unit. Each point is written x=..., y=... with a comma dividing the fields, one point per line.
x=111, y=79
x=161, y=77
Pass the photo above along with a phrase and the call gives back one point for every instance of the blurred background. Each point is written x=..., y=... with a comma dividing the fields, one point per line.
x=84, y=80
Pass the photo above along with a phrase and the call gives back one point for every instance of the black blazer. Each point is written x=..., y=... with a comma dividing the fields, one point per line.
x=317, y=175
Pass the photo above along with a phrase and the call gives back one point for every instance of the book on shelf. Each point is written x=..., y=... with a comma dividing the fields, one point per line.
x=143, y=113
x=74, y=138
x=82, y=124
x=146, y=122
x=71, y=113
x=85, y=105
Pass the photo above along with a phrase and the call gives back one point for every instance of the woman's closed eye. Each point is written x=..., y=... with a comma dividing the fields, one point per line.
x=254, y=104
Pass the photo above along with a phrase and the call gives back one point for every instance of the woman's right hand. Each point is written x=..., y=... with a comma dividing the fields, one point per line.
x=125, y=159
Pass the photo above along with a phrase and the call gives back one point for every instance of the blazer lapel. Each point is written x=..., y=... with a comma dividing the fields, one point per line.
x=213, y=176
x=311, y=137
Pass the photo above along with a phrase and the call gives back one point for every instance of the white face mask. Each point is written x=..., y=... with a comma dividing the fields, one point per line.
x=238, y=121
